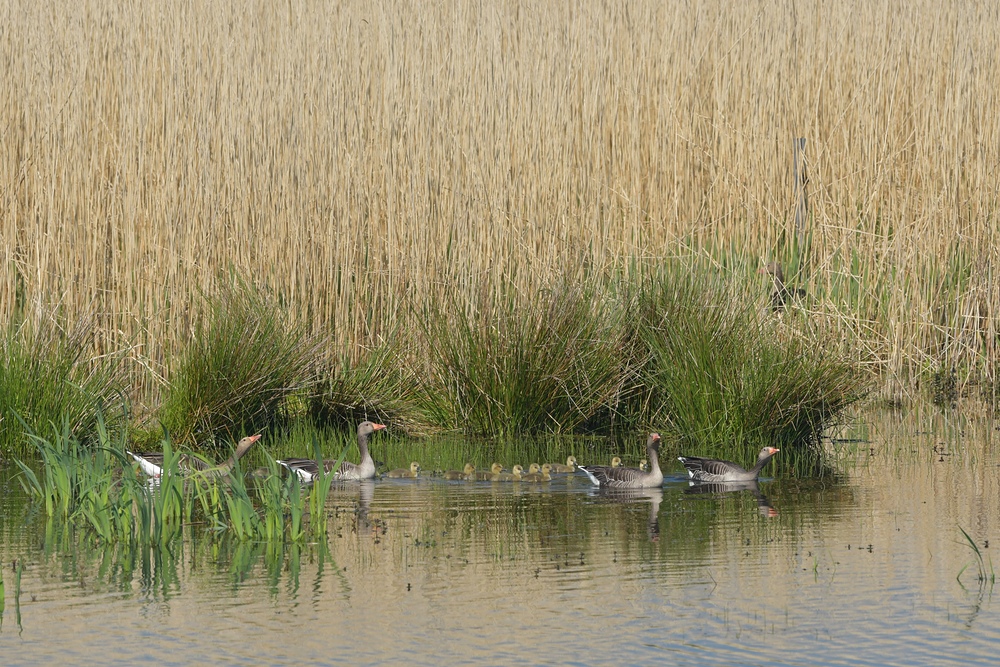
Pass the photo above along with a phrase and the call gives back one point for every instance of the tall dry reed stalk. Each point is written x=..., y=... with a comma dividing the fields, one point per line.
x=348, y=155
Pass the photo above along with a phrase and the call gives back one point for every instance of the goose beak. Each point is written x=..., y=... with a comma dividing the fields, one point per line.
x=378, y=427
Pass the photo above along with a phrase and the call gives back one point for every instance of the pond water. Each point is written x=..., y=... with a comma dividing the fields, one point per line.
x=855, y=571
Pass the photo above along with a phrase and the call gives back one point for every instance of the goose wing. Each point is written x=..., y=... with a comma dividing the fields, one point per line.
x=306, y=469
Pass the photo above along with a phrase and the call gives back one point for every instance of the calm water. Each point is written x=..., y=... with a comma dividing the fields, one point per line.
x=853, y=572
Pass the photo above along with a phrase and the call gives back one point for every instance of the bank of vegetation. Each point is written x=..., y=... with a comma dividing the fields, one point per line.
x=496, y=219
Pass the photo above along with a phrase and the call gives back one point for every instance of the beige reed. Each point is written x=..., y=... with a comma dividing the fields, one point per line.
x=362, y=152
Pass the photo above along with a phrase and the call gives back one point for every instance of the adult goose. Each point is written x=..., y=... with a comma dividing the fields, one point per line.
x=151, y=463
x=307, y=470
x=411, y=472
x=489, y=476
x=569, y=467
x=468, y=472
x=623, y=477
x=717, y=470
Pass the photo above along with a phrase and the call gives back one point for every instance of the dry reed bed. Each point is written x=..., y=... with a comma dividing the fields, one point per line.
x=350, y=155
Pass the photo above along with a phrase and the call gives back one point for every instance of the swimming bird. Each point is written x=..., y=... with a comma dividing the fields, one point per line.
x=491, y=475
x=465, y=473
x=717, y=470
x=307, y=470
x=411, y=472
x=513, y=476
x=151, y=463
x=630, y=478
x=542, y=474
x=569, y=467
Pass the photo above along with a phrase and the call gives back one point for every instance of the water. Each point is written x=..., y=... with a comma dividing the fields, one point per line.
x=851, y=572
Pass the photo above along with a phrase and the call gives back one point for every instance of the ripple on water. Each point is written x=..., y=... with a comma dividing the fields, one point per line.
x=862, y=571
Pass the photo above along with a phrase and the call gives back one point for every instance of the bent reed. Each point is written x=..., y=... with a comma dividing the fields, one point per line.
x=359, y=161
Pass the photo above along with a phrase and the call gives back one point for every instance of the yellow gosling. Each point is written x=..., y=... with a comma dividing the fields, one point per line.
x=542, y=475
x=412, y=472
x=466, y=473
x=513, y=476
x=491, y=475
x=569, y=467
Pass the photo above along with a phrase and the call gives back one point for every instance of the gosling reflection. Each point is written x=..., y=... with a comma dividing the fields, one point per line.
x=763, y=504
x=652, y=495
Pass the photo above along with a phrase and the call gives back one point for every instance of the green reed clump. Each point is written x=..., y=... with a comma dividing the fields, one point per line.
x=96, y=487
x=728, y=375
x=985, y=573
x=245, y=358
x=99, y=489
x=48, y=376
x=378, y=384
x=508, y=365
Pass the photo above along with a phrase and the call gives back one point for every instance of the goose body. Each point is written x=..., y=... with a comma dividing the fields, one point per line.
x=717, y=470
x=569, y=467
x=307, y=470
x=491, y=475
x=151, y=463
x=411, y=472
x=468, y=472
x=513, y=476
x=623, y=477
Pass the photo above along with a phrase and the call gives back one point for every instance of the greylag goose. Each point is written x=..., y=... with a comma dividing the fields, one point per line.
x=151, y=463
x=716, y=470
x=307, y=470
x=538, y=474
x=513, y=476
x=622, y=477
x=644, y=465
x=468, y=472
x=616, y=462
x=569, y=467
x=411, y=472
x=782, y=294
x=491, y=475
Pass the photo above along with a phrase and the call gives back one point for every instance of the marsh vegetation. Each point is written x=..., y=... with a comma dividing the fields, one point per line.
x=465, y=217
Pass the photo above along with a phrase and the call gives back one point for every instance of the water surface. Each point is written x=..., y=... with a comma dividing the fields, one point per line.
x=859, y=570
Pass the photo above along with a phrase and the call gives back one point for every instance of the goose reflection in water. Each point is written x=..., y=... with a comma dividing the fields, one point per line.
x=365, y=495
x=763, y=504
x=652, y=495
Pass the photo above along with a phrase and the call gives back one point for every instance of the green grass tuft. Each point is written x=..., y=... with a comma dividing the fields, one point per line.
x=550, y=363
x=245, y=358
x=48, y=376
x=729, y=376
